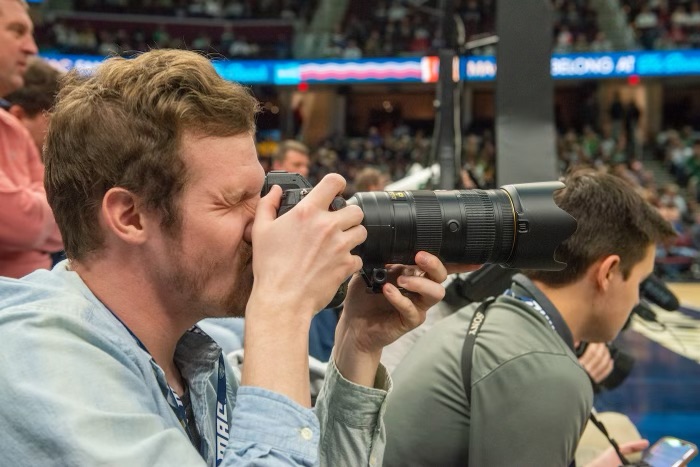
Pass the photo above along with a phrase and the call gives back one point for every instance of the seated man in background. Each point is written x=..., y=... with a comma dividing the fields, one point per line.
x=28, y=232
x=152, y=173
x=292, y=156
x=527, y=397
x=370, y=179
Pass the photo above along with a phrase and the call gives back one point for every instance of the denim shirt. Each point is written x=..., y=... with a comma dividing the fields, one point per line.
x=78, y=390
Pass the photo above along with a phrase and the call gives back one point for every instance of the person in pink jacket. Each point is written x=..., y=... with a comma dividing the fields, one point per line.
x=28, y=231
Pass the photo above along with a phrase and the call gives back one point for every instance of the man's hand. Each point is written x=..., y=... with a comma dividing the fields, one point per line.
x=299, y=261
x=370, y=321
x=597, y=361
x=609, y=457
x=301, y=258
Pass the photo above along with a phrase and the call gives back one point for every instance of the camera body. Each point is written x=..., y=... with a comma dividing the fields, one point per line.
x=294, y=188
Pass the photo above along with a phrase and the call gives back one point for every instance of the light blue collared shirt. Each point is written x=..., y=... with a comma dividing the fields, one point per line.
x=78, y=390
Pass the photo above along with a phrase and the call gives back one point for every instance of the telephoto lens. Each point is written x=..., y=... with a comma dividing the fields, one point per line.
x=516, y=226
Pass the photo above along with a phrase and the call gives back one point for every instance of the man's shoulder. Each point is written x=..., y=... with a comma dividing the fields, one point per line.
x=10, y=124
x=512, y=320
x=13, y=134
x=48, y=296
x=513, y=330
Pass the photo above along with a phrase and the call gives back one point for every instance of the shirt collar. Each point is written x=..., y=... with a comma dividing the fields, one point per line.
x=524, y=286
x=196, y=354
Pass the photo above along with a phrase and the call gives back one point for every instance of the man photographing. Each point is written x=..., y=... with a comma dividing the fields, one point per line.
x=152, y=173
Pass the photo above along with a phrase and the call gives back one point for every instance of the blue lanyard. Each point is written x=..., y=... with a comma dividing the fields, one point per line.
x=221, y=424
x=533, y=303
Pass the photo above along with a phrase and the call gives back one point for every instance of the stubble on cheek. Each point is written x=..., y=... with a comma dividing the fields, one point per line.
x=235, y=303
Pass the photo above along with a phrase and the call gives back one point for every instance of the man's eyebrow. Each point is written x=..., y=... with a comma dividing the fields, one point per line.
x=19, y=26
x=238, y=194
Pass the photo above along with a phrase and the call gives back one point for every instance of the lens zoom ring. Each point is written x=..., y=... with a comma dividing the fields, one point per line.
x=481, y=226
x=428, y=223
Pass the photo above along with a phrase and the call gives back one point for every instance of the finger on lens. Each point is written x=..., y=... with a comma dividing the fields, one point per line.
x=431, y=264
x=355, y=236
x=427, y=288
x=349, y=217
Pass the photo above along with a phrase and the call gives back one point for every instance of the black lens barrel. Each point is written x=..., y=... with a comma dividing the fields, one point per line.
x=460, y=226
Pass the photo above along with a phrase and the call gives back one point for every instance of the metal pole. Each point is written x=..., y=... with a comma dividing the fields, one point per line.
x=445, y=142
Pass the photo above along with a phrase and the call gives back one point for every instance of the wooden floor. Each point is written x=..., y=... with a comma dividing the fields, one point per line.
x=662, y=393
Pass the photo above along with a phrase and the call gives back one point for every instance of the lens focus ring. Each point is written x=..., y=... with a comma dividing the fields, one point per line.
x=428, y=222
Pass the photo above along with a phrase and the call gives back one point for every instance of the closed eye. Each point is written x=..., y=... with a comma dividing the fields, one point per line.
x=227, y=201
x=18, y=29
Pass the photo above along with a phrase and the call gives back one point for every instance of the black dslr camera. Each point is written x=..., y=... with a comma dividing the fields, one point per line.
x=516, y=226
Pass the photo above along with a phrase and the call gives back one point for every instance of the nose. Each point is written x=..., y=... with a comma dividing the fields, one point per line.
x=29, y=45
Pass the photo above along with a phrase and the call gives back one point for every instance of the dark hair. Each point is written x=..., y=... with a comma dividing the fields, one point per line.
x=41, y=83
x=612, y=218
x=122, y=127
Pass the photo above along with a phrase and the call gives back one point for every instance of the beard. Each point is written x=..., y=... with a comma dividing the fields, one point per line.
x=236, y=301
x=193, y=282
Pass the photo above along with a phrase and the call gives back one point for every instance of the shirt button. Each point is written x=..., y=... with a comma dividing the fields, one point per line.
x=372, y=461
x=307, y=434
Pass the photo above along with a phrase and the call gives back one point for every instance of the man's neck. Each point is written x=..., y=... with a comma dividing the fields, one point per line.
x=128, y=296
x=571, y=302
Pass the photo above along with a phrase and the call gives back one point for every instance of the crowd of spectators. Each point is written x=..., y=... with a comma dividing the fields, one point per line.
x=229, y=9
x=406, y=27
x=387, y=28
x=665, y=24
x=229, y=28
x=82, y=37
x=370, y=29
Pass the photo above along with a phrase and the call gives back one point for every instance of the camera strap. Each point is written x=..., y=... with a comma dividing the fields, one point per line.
x=469, y=341
x=611, y=440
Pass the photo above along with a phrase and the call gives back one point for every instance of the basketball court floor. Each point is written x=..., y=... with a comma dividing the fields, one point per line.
x=662, y=393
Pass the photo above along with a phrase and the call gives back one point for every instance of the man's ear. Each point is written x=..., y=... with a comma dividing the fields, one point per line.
x=605, y=270
x=17, y=111
x=123, y=215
